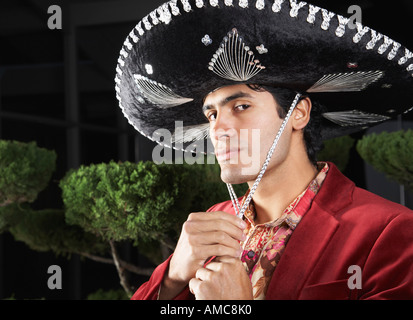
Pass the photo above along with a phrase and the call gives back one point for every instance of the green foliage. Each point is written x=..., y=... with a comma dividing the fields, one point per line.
x=25, y=170
x=128, y=201
x=120, y=201
x=390, y=153
x=46, y=230
x=337, y=150
x=101, y=294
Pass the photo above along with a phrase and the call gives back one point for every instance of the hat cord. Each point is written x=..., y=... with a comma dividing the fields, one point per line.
x=235, y=203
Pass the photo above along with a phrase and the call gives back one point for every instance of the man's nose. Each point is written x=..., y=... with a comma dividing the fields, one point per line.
x=224, y=126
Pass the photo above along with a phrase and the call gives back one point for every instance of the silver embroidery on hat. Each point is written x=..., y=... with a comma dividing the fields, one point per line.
x=190, y=133
x=295, y=7
x=164, y=14
x=243, y=3
x=276, y=7
x=174, y=8
x=154, y=18
x=260, y=4
x=133, y=36
x=327, y=16
x=229, y=3
x=341, y=29
x=407, y=56
x=138, y=27
x=157, y=93
x=149, y=69
x=375, y=37
x=234, y=60
x=386, y=44
x=361, y=31
x=213, y=3
x=312, y=10
x=186, y=5
x=394, y=50
x=199, y=3
x=354, y=118
x=146, y=23
x=206, y=40
x=261, y=49
x=346, y=82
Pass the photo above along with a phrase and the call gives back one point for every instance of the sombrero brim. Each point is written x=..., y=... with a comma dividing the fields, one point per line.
x=185, y=49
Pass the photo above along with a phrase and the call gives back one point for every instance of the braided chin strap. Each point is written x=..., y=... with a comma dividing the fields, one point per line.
x=235, y=203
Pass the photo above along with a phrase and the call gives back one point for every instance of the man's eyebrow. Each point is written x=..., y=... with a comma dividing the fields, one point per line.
x=227, y=99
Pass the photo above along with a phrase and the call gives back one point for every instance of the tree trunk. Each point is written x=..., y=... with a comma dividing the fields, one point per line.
x=121, y=270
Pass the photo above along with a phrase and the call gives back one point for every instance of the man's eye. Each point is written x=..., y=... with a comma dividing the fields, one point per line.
x=212, y=116
x=242, y=107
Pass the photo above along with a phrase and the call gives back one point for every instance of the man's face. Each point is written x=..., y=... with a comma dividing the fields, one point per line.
x=243, y=125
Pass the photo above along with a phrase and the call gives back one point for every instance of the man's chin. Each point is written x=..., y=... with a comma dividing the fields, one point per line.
x=237, y=175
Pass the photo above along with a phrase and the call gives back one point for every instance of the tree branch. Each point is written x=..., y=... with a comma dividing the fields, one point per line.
x=121, y=271
x=126, y=265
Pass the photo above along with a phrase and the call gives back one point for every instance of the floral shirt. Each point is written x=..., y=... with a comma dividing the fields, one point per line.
x=266, y=242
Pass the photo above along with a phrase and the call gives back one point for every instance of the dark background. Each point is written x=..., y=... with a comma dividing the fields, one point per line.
x=57, y=88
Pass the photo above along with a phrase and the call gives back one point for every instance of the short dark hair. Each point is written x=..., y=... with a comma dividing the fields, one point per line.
x=284, y=98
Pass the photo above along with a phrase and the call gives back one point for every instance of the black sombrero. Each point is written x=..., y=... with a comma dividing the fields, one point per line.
x=185, y=49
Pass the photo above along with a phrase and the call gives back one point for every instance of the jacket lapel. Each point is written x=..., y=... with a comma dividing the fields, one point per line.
x=311, y=236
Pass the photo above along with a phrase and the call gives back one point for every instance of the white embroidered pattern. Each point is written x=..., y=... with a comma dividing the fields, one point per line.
x=295, y=7
x=312, y=10
x=243, y=3
x=341, y=29
x=186, y=5
x=354, y=118
x=138, y=27
x=407, y=56
x=361, y=31
x=234, y=60
x=260, y=5
x=346, y=82
x=164, y=13
x=190, y=133
x=157, y=93
x=276, y=7
x=375, y=37
x=327, y=16
x=174, y=8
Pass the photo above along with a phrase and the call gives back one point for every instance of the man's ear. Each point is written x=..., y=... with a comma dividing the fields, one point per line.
x=301, y=114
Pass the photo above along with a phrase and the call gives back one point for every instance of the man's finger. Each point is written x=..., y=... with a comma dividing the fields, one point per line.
x=218, y=215
x=194, y=284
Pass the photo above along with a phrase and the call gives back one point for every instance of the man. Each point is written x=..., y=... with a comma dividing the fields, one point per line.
x=303, y=228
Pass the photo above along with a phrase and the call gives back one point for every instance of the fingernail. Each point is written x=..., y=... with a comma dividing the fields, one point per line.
x=243, y=224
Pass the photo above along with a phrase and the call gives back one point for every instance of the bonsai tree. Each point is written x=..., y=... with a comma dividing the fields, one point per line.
x=139, y=202
x=25, y=170
x=391, y=154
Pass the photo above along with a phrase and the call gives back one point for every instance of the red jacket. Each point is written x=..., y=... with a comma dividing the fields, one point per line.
x=345, y=226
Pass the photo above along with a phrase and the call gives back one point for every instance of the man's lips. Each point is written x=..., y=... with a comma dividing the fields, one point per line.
x=223, y=155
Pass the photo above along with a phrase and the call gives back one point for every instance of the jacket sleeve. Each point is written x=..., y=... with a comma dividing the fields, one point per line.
x=389, y=266
x=150, y=290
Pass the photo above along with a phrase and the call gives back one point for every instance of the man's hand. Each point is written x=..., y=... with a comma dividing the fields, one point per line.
x=203, y=235
x=223, y=279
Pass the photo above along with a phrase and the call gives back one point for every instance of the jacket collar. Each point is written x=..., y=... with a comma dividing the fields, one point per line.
x=311, y=236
